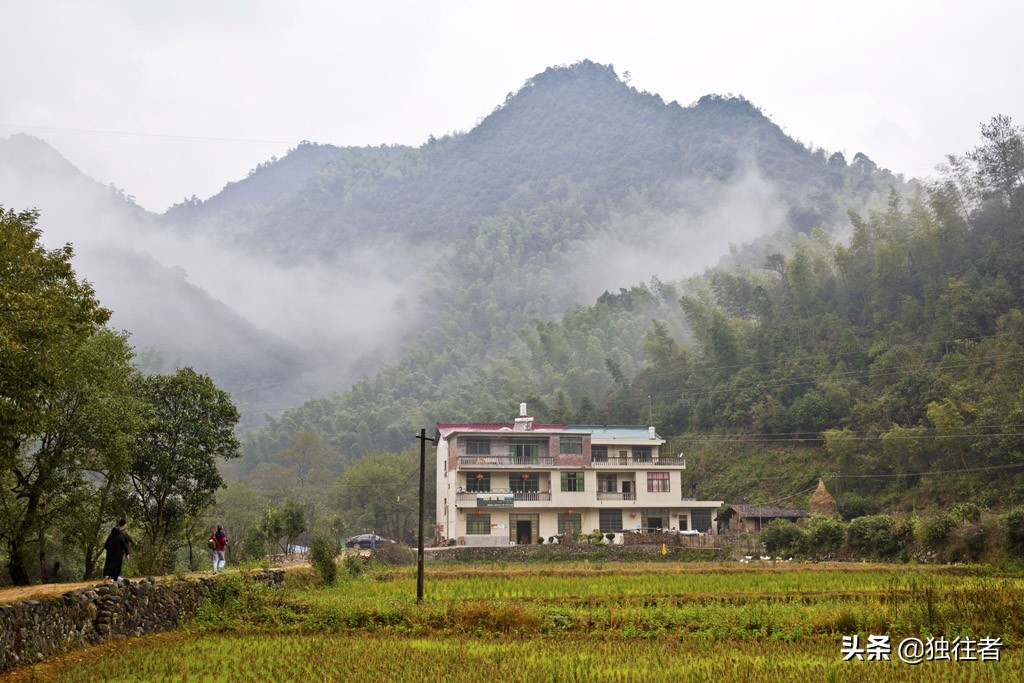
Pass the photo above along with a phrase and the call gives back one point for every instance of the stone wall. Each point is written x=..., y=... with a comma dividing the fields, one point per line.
x=34, y=630
x=572, y=552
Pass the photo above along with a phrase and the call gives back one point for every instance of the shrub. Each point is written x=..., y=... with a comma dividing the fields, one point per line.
x=322, y=552
x=968, y=543
x=966, y=513
x=355, y=565
x=824, y=536
x=1013, y=525
x=934, y=533
x=903, y=535
x=853, y=505
x=875, y=536
x=782, y=537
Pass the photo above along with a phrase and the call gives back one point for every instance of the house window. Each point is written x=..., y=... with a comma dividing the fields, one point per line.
x=570, y=523
x=610, y=521
x=478, y=447
x=572, y=481
x=478, y=482
x=524, y=482
x=657, y=482
x=523, y=452
x=654, y=519
x=599, y=453
x=607, y=483
x=570, y=445
x=641, y=453
x=478, y=524
x=701, y=520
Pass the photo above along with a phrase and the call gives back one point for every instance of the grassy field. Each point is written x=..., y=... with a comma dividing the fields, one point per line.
x=584, y=622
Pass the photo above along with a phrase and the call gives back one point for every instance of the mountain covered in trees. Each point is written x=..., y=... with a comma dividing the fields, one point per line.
x=781, y=313
x=576, y=184
x=555, y=253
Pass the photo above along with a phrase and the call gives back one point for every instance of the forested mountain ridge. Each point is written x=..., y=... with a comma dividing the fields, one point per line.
x=547, y=196
x=570, y=134
x=891, y=363
x=457, y=260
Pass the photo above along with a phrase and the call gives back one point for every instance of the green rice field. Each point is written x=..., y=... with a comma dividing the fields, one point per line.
x=589, y=622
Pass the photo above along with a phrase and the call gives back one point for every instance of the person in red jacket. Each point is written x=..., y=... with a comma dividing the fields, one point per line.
x=218, y=542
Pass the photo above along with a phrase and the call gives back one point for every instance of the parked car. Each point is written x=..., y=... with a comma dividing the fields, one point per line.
x=366, y=541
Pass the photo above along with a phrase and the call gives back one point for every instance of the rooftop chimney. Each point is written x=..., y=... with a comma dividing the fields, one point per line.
x=651, y=434
x=523, y=423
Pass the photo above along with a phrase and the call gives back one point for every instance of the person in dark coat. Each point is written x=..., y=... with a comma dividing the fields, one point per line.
x=117, y=547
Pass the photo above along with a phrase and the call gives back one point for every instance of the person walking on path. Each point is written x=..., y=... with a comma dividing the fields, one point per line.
x=117, y=546
x=218, y=542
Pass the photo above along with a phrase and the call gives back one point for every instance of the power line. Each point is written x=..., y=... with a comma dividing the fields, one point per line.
x=925, y=474
x=756, y=438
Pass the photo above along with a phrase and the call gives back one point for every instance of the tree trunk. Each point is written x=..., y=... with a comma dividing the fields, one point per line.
x=16, y=563
x=17, y=567
x=44, y=573
x=90, y=565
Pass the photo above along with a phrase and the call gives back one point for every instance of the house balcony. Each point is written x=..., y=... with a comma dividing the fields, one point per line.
x=613, y=461
x=616, y=495
x=517, y=461
x=500, y=498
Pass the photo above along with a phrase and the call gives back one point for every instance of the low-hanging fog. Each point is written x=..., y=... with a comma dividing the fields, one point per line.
x=680, y=244
x=276, y=334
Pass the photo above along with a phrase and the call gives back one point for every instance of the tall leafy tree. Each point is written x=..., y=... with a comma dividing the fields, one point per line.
x=380, y=493
x=189, y=428
x=46, y=313
x=80, y=451
x=1000, y=158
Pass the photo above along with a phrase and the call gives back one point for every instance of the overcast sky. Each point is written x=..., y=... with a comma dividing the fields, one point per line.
x=171, y=99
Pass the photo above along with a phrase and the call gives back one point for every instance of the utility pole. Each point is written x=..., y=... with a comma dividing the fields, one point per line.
x=419, y=555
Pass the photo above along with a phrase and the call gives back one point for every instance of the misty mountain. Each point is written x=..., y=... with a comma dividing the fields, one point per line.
x=172, y=322
x=575, y=133
x=576, y=185
x=444, y=261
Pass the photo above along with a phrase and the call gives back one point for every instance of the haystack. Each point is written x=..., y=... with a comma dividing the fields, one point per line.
x=822, y=502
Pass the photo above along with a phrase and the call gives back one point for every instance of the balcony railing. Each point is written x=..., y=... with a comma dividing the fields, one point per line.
x=616, y=495
x=505, y=461
x=470, y=497
x=634, y=461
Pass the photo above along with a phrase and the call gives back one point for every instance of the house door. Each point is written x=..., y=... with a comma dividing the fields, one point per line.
x=523, y=527
x=524, y=532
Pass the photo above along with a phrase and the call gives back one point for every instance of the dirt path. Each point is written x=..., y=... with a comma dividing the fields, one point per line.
x=12, y=594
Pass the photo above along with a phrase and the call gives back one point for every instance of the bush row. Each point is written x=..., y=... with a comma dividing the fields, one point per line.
x=959, y=535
